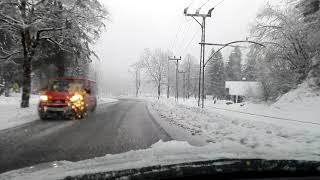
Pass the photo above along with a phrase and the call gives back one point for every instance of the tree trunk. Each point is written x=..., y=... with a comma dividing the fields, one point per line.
x=137, y=83
x=159, y=90
x=26, y=83
x=6, y=87
x=60, y=64
x=61, y=70
x=188, y=85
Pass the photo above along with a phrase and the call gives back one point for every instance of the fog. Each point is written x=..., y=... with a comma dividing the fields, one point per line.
x=139, y=24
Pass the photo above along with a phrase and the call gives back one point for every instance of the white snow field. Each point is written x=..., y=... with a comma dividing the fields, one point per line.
x=290, y=126
x=12, y=115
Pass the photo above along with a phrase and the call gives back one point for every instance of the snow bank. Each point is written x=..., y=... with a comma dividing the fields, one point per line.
x=12, y=115
x=104, y=100
x=161, y=153
x=221, y=126
x=242, y=126
x=302, y=103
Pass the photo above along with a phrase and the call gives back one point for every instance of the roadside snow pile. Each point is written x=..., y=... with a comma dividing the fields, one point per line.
x=254, y=133
x=161, y=153
x=12, y=115
x=104, y=100
x=303, y=103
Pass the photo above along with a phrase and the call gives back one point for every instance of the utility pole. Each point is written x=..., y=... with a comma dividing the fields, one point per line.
x=177, y=71
x=184, y=84
x=138, y=82
x=188, y=81
x=188, y=85
x=202, y=51
x=168, y=85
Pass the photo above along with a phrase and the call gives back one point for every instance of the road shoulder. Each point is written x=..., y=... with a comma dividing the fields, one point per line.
x=175, y=132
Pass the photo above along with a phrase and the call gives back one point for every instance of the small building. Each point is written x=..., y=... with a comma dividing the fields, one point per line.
x=240, y=90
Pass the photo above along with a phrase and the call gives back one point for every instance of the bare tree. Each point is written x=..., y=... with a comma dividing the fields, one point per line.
x=190, y=68
x=137, y=70
x=156, y=65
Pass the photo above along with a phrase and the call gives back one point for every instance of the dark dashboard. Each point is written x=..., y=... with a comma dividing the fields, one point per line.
x=233, y=169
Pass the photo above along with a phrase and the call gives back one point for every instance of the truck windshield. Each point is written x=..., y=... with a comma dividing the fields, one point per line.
x=65, y=85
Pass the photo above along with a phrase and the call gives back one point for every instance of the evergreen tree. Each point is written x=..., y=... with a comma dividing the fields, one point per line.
x=233, y=67
x=215, y=77
x=250, y=68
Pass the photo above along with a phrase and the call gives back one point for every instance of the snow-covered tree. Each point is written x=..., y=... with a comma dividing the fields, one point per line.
x=70, y=25
x=190, y=67
x=292, y=47
x=250, y=68
x=215, y=76
x=9, y=70
x=233, y=66
x=155, y=63
x=310, y=10
x=137, y=69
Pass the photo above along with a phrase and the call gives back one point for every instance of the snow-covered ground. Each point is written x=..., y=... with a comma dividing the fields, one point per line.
x=227, y=135
x=244, y=126
x=301, y=104
x=103, y=100
x=12, y=115
x=160, y=153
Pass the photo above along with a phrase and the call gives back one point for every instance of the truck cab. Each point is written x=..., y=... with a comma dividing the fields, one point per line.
x=69, y=97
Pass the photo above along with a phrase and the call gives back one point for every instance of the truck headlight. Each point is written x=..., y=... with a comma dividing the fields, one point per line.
x=76, y=97
x=44, y=98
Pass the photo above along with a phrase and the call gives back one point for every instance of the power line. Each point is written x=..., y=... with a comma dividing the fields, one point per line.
x=184, y=36
x=176, y=36
x=191, y=3
x=267, y=116
x=187, y=46
x=180, y=37
x=204, y=4
x=219, y=3
x=173, y=44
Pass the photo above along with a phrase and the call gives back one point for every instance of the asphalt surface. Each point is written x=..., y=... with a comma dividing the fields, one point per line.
x=114, y=128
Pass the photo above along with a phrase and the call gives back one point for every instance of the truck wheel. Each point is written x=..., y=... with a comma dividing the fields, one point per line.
x=93, y=109
x=43, y=117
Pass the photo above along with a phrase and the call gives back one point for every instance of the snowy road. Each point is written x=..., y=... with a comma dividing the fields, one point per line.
x=117, y=127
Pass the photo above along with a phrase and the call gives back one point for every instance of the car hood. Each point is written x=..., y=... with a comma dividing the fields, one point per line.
x=162, y=154
x=56, y=95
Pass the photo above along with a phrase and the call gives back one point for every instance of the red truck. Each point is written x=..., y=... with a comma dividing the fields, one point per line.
x=68, y=97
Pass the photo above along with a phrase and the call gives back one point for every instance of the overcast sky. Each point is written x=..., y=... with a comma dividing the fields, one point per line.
x=139, y=24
